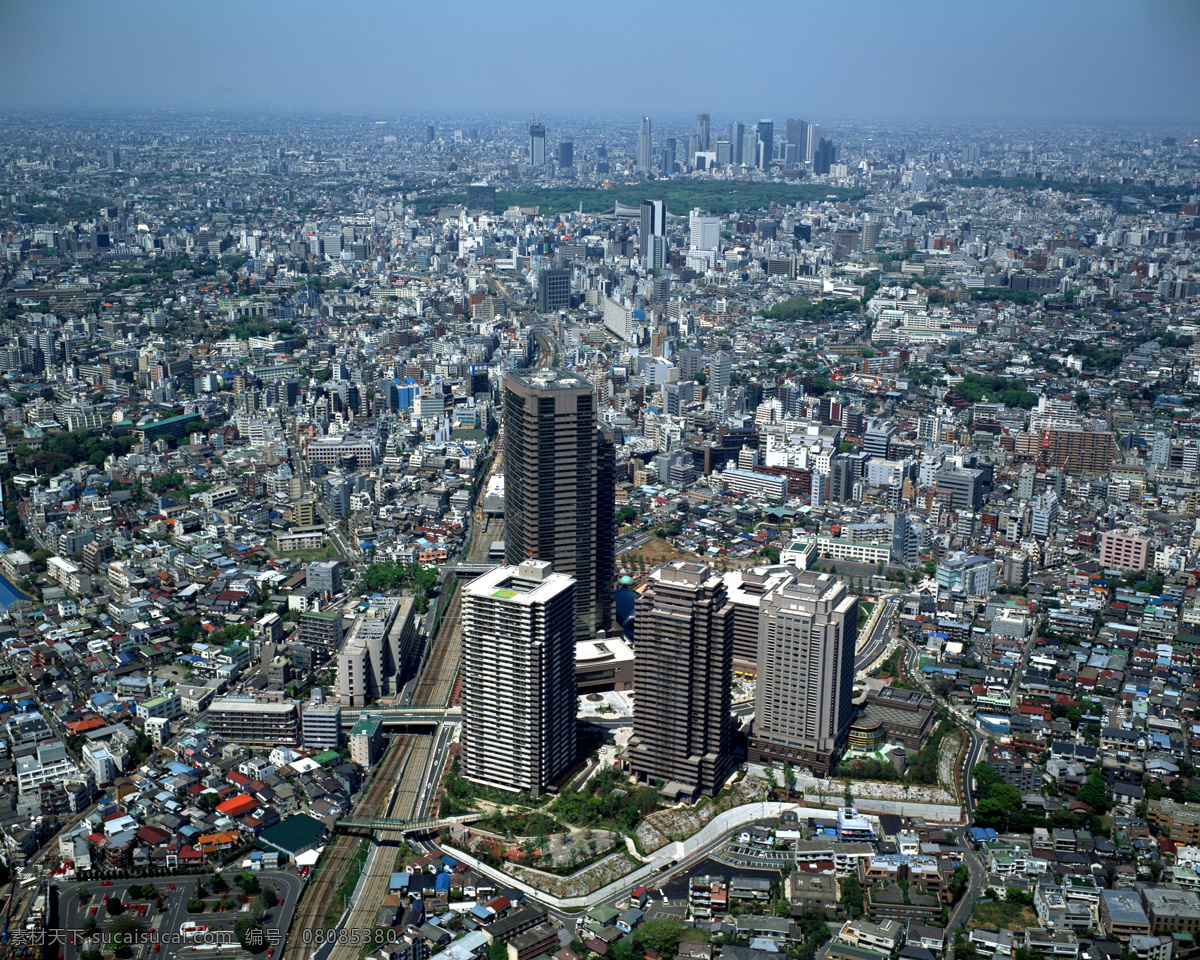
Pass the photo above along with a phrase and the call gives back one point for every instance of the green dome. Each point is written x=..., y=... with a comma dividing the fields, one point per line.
x=626, y=580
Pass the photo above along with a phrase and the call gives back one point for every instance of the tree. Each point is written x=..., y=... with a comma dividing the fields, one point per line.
x=126, y=928
x=852, y=895
x=1002, y=800
x=661, y=935
x=498, y=950
x=113, y=906
x=1094, y=793
x=958, y=883
x=249, y=935
x=627, y=514
x=1082, y=400
x=985, y=775
x=789, y=777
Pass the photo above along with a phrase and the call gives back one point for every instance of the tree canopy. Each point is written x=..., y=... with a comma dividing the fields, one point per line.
x=1012, y=393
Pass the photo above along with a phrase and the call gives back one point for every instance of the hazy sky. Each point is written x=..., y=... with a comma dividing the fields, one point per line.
x=1118, y=60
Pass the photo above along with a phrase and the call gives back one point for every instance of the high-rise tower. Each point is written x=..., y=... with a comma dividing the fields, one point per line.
x=807, y=630
x=682, y=730
x=518, y=677
x=766, y=141
x=645, y=147
x=559, y=486
x=703, y=122
x=537, y=144
x=812, y=136
x=737, y=136
x=653, y=237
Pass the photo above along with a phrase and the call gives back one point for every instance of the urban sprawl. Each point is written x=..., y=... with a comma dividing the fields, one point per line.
x=670, y=539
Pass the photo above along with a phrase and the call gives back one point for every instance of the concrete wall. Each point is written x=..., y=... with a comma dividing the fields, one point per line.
x=714, y=830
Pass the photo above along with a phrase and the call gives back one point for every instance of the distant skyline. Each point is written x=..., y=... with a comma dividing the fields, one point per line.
x=1099, y=61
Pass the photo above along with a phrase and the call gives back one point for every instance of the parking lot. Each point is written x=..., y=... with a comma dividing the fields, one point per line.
x=75, y=911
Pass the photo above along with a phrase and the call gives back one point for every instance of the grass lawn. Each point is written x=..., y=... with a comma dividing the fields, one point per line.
x=995, y=914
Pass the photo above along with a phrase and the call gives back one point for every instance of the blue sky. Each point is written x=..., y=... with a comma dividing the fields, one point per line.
x=1100, y=60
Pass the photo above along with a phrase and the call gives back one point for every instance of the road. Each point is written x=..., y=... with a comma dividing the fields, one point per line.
x=879, y=638
x=976, y=741
x=978, y=877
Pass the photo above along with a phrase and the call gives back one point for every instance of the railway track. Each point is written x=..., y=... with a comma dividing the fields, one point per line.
x=437, y=680
x=322, y=888
x=385, y=845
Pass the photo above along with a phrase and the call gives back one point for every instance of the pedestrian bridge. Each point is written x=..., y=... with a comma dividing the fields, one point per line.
x=400, y=716
x=468, y=569
x=416, y=825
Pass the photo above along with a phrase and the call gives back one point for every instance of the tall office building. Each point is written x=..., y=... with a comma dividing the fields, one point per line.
x=812, y=136
x=645, y=146
x=797, y=133
x=720, y=370
x=566, y=153
x=682, y=730
x=704, y=233
x=737, y=135
x=823, y=157
x=559, y=486
x=537, y=144
x=518, y=677
x=691, y=362
x=702, y=130
x=654, y=234
x=841, y=480
x=870, y=236
x=554, y=290
x=805, y=683
x=668, y=156
x=750, y=147
x=766, y=141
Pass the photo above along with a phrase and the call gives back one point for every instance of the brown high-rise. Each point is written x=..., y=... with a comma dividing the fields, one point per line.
x=808, y=628
x=1079, y=451
x=559, y=487
x=682, y=730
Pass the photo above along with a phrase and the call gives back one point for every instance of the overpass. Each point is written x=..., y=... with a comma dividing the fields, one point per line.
x=401, y=716
x=415, y=825
x=468, y=569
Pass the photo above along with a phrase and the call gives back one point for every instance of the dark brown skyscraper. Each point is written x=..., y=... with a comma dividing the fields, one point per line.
x=559, y=486
x=682, y=730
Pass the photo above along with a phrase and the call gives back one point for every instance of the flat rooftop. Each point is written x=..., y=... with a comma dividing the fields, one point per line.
x=551, y=379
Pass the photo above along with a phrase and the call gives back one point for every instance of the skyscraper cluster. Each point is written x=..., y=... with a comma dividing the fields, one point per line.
x=755, y=146
x=688, y=623
x=521, y=622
